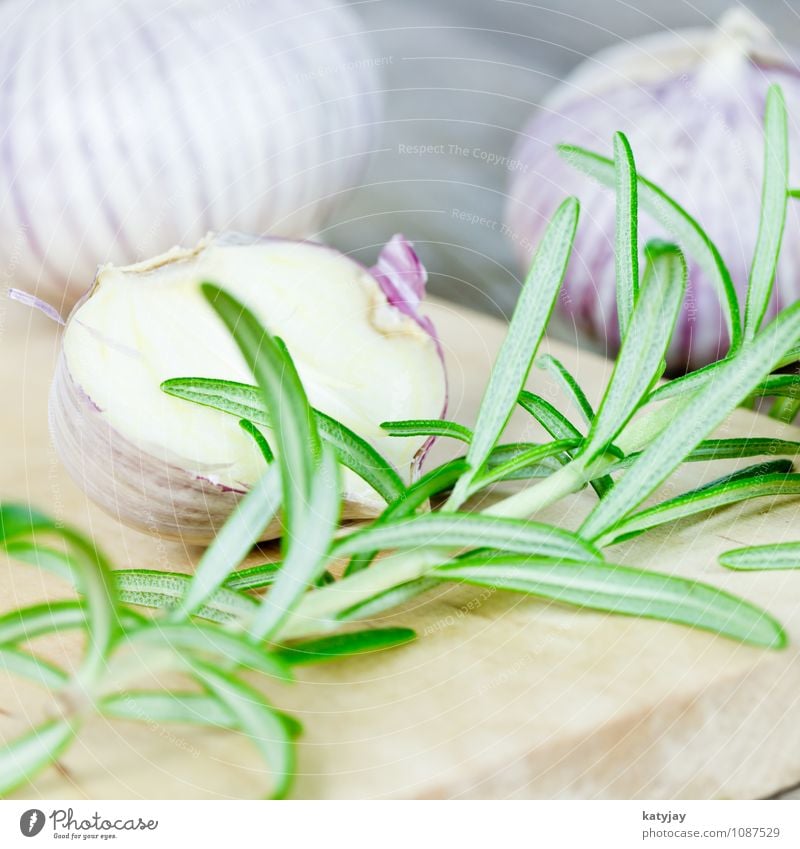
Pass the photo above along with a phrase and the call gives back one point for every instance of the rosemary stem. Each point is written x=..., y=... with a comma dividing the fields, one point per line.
x=317, y=612
x=319, y=608
x=642, y=430
x=131, y=664
x=527, y=502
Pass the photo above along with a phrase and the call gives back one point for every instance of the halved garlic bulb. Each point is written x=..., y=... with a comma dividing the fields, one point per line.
x=362, y=348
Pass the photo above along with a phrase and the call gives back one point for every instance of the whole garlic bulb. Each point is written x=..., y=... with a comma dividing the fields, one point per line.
x=365, y=353
x=692, y=105
x=135, y=125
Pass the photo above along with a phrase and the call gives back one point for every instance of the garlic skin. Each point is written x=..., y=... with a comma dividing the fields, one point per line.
x=691, y=103
x=134, y=125
x=175, y=468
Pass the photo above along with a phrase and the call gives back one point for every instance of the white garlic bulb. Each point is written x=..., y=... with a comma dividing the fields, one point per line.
x=362, y=348
x=135, y=125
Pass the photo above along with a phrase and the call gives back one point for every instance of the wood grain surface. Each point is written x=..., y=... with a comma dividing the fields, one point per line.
x=501, y=696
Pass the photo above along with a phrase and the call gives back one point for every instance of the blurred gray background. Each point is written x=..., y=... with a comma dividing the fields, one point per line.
x=469, y=73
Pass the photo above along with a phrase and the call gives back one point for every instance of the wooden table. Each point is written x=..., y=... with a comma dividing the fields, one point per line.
x=502, y=696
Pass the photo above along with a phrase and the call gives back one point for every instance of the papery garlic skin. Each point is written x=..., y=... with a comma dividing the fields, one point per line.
x=133, y=125
x=691, y=104
x=176, y=468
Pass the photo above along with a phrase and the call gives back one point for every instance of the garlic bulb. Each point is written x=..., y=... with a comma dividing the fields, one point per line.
x=365, y=353
x=135, y=125
x=692, y=105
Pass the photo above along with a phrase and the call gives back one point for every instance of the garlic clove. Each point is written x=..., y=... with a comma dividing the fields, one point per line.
x=176, y=468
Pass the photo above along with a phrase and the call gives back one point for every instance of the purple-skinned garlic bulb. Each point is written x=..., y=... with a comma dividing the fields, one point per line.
x=365, y=350
x=134, y=125
x=692, y=105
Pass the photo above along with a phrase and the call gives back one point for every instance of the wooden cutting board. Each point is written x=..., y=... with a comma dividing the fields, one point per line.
x=501, y=696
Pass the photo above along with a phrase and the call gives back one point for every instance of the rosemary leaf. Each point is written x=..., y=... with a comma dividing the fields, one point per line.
x=687, y=383
x=643, y=348
x=263, y=575
x=237, y=536
x=773, y=212
x=569, y=386
x=785, y=409
x=465, y=530
x=43, y=557
x=551, y=419
x=523, y=460
x=168, y=706
x=283, y=396
x=428, y=427
x=260, y=440
x=360, y=457
x=542, y=468
x=415, y=496
x=782, y=385
x=524, y=335
x=20, y=520
x=685, y=229
x=87, y=568
x=258, y=720
x=627, y=239
x=345, y=645
x=228, y=396
x=731, y=491
x=254, y=577
x=180, y=706
x=165, y=590
x=749, y=446
x=729, y=449
x=26, y=623
x=210, y=640
x=30, y=753
x=387, y=600
x=306, y=546
x=780, y=555
x=422, y=490
x=34, y=668
x=622, y=590
x=757, y=470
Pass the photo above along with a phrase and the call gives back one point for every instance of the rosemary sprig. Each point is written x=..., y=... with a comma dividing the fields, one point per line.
x=212, y=628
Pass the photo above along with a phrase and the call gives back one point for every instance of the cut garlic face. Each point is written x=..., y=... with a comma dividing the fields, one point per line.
x=176, y=468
